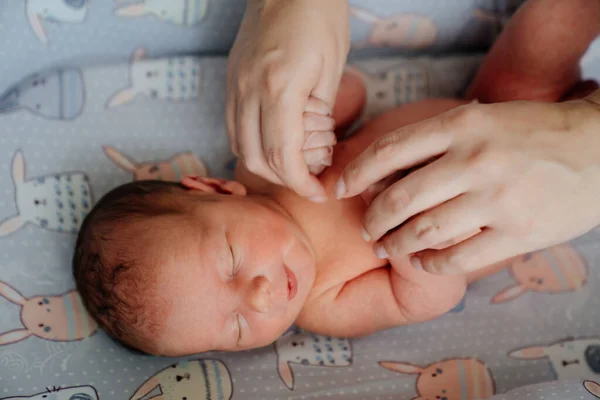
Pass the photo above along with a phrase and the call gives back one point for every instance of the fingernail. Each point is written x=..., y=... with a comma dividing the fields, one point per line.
x=340, y=188
x=380, y=252
x=327, y=162
x=416, y=262
x=318, y=199
x=365, y=234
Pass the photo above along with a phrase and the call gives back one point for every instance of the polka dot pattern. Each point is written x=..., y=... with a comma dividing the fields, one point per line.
x=35, y=261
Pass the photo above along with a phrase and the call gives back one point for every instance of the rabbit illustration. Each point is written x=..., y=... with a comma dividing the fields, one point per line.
x=557, y=269
x=70, y=11
x=196, y=379
x=180, y=12
x=593, y=388
x=67, y=393
x=174, y=79
x=393, y=86
x=57, y=94
x=56, y=202
x=454, y=379
x=408, y=31
x=173, y=169
x=298, y=347
x=570, y=358
x=61, y=318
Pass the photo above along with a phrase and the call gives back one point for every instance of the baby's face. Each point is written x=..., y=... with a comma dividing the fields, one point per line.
x=234, y=273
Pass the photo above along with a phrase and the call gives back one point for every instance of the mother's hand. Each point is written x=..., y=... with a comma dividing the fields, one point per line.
x=526, y=174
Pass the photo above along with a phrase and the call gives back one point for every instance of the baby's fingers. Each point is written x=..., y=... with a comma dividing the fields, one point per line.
x=320, y=156
x=318, y=139
x=317, y=122
x=317, y=106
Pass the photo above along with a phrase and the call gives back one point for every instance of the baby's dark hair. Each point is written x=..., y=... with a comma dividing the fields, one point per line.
x=111, y=272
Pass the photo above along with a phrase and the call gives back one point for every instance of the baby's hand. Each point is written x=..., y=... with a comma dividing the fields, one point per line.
x=319, y=137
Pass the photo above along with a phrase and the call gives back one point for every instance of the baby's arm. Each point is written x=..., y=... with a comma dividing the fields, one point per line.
x=537, y=56
x=380, y=299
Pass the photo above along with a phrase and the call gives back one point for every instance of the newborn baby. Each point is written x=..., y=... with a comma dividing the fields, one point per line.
x=175, y=269
x=208, y=264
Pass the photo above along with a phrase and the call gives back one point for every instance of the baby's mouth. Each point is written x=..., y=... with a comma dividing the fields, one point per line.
x=292, y=283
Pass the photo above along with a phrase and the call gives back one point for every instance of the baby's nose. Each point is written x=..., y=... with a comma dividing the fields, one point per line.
x=259, y=295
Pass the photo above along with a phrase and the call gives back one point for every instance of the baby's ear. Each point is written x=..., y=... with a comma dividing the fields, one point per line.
x=212, y=185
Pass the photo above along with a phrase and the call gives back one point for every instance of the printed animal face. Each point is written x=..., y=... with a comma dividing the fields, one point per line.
x=59, y=318
x=190, y=379
x=557, y=269
x=67, y=393
x=299, y=347
x=58, y=94
x=455, y=379
x=570, y=359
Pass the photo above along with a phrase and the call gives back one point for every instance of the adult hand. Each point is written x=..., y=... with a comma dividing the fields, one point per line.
x=285, y=52
x=525, y=175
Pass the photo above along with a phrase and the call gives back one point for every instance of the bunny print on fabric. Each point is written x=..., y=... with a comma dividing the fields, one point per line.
x=454, y=379
x=197, y=379
x=173, y=169
x=57, y=202
x=393, y=86
x=407, y=31
x=61, y=318
x=180, y=12
x=298, y=347
x=593, y=388
x=570, y=358
x=69, y=11
x=57, y=94
x=67, y=393
x=558, y=269
x=174, y=79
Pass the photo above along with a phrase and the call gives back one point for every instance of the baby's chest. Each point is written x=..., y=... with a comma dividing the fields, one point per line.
x=343, y=253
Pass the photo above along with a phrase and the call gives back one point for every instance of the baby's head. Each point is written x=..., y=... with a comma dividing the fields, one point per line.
x=176, y=269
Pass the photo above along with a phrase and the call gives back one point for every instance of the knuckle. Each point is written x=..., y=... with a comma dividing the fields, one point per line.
x=494, y=161
x=243, y=83
x=471, y=115
x=275, y=159
x=276, y=78
x=383, y=148
x=426, y=231
x=397, y=200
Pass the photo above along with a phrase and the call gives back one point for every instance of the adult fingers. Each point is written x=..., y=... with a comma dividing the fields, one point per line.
x=282, y=142
x=373, y=191
x=249, y=143
x=439, y=225
x=421, y=190
x=398, y=150
x=481, y=250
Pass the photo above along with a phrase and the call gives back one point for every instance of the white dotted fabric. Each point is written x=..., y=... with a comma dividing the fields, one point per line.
x=92, y=118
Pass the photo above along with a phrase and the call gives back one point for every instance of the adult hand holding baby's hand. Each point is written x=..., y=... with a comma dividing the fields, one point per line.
x=285, y=52
x=526, y=173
